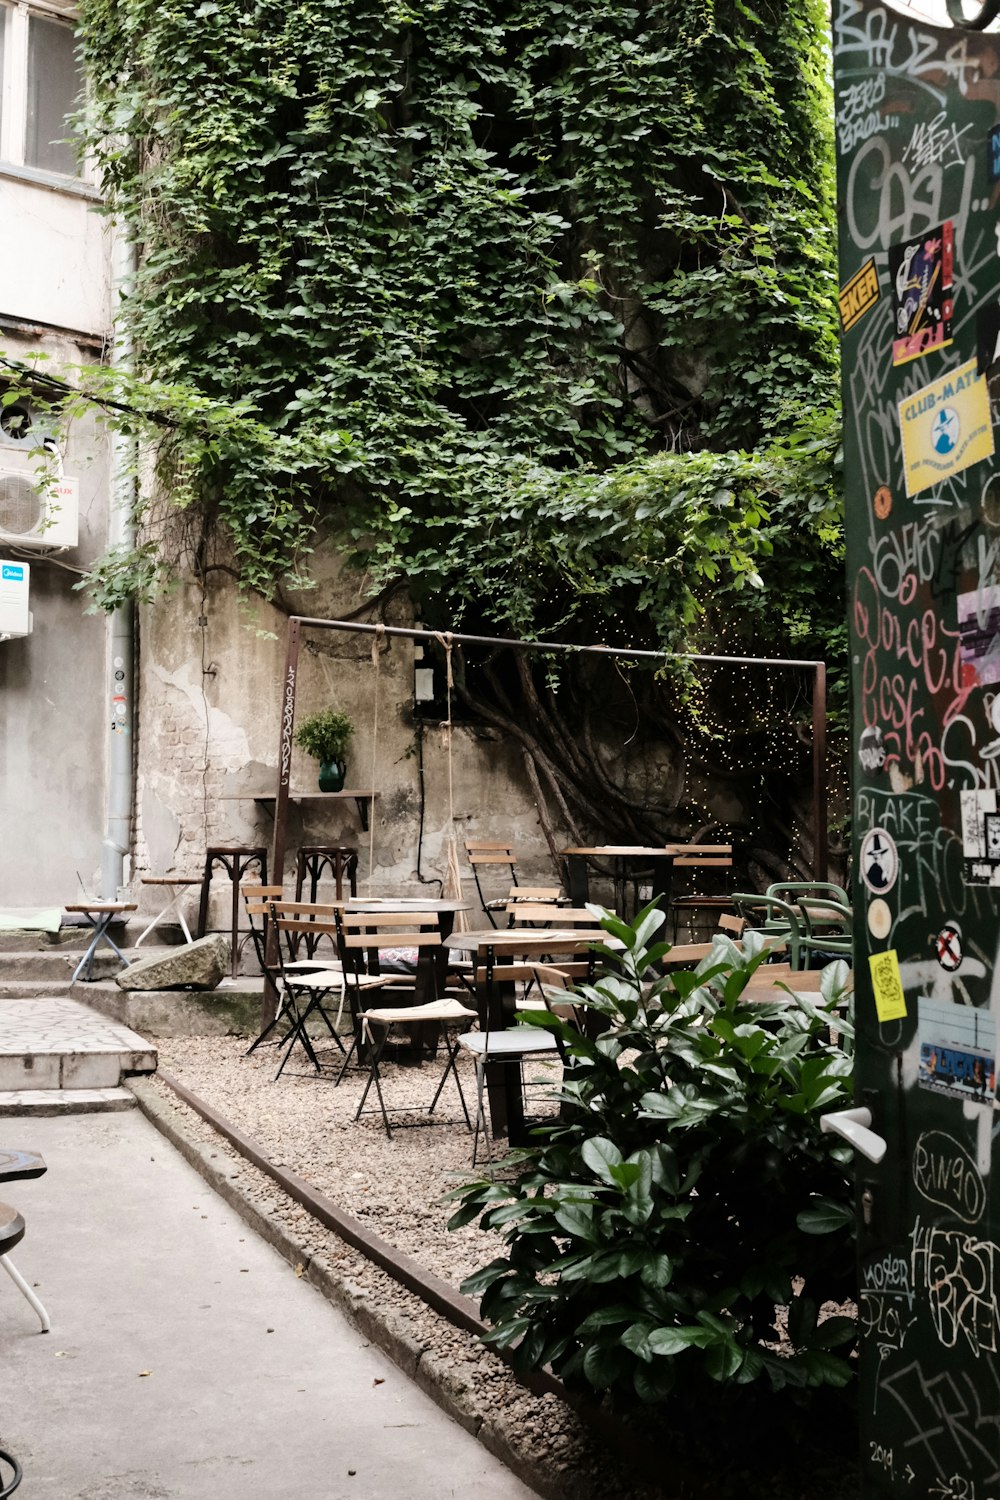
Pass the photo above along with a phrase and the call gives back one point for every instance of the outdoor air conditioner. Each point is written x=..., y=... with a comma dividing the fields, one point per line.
x=15, y=616
x=38, y=511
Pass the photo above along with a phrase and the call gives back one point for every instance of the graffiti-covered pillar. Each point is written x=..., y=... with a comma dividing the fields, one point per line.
x=918, y=138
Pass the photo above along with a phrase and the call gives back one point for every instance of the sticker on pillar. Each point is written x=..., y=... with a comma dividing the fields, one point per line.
x=921, y=274
x=957, y=1051
x=948, y=946
x=979, y=631
x=879, y=919
x=858, y=296
x=879, y=860
x=882, y=502
x=980, y=837
x=993, y=154
x=945, y=427
x=887, y=986
x=871, y=749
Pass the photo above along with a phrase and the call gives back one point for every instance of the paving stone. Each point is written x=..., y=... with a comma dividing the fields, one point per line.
x=201, y=965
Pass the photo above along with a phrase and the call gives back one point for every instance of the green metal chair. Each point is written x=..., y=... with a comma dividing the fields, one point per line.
x=803, y=927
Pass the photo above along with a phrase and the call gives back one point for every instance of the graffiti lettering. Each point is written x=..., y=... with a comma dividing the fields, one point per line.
x=932, y=140
x=944, y=1173
x=958, y=1274
x=954, y=1419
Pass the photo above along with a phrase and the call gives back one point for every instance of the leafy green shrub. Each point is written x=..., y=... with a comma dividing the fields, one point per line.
x=656, y=1226
x=325, y=735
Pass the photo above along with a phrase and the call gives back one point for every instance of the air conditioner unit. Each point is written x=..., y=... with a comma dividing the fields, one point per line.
x=15, y=616
x=37, y=511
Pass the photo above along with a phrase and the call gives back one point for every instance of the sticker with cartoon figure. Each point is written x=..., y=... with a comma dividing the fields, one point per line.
x=879, y=860
x=921, y=273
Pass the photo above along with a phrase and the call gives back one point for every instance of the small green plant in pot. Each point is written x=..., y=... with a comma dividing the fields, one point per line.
x=325, y=736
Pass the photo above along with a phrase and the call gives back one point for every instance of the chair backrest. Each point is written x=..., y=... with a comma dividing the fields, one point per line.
x=365, y=935
x=705, y=857
x=548, y=914
x=301, y=922
x=733, y=927
x=483, y=854
x=257, y=905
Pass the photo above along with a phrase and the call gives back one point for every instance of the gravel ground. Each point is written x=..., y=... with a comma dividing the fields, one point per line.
x=307, y=1125
x=394, y=1187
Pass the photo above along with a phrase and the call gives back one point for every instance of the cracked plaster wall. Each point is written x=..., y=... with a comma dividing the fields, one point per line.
x=208, y=731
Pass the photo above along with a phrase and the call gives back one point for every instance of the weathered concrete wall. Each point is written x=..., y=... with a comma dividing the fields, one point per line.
x=52, y=711
x=208, y=734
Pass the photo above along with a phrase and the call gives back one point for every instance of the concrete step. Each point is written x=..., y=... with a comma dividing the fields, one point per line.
x=232, y=1009
x=57, y=1043
x=54, y=963
x=64, y=1101
x=33, y=989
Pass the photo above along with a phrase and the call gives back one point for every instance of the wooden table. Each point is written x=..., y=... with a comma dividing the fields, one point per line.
x=497, y=1008
x=100, y=915
x=179, y=885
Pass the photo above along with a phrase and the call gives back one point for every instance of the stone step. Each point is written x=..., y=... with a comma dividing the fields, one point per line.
x=54, y=1042
x=64, y=1101
x=33, y=989
x=233, y=1008
x=54, y=964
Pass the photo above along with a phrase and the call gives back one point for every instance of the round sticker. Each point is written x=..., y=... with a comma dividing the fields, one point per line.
x=879, y=861
x=882, y=502
x=948, y=946
x=871, y=749
x=879, y=918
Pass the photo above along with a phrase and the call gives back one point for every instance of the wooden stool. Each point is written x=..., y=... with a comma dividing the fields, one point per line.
x=236, y=861
x=315, y=858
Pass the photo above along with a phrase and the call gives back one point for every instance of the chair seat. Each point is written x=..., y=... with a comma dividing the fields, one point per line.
x=516, y=1042
x=435, y=1010
x=323, y=979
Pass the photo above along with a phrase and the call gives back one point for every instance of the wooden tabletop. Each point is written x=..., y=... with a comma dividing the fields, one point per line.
x=403, y=903
x=294, y=796
x=620, y=851
x=170, y=880
x=527, y=939
x=89, y=906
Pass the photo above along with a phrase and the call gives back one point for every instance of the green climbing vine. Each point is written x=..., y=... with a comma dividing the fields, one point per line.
x=528, y=304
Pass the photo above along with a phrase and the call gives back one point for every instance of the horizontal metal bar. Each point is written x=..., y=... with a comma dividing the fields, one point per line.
x=458, y=639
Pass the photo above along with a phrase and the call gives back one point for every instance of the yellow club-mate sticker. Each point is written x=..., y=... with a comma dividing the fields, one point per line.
x=945, y=427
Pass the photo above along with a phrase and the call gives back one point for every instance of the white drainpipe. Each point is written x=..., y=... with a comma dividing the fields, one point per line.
x=119, y=718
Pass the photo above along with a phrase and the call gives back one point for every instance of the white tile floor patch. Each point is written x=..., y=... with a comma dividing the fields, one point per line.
x=44, y=1026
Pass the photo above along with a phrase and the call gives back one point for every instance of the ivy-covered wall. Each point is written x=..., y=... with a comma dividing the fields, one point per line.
x=515, y=299
x=527, y=309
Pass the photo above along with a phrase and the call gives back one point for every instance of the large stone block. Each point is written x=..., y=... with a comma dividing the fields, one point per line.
x=198, y=966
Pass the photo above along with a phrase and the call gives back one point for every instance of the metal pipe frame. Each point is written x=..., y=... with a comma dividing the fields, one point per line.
x=299, y=623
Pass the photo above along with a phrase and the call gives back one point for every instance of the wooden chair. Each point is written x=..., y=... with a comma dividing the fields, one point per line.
x=257, y=902
x=486, y=854
x=712, y=857
x=304, y=990
x=363, y=938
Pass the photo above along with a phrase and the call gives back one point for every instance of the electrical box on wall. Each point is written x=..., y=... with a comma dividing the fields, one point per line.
x=15, y=616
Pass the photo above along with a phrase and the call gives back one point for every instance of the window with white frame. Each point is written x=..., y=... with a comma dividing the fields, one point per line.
x=42, y=86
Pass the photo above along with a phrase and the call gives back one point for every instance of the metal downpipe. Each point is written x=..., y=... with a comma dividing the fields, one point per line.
x=120, y=665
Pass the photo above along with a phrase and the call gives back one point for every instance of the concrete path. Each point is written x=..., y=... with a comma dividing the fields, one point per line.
x=186, y=1359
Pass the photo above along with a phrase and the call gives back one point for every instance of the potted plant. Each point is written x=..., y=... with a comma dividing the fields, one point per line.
x=324, y=736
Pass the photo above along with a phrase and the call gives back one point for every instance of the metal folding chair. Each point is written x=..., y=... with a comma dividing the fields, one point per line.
x=364, y=936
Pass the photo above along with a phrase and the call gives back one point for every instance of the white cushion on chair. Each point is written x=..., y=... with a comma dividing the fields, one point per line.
x=434, y=1010
x=516, y=1041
